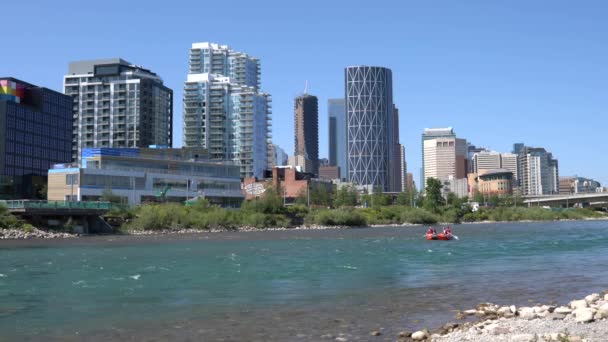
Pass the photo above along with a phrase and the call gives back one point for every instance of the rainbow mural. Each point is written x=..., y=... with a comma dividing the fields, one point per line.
x=11, y=91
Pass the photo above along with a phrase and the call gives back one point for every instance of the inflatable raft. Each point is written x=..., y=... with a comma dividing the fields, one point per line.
x=439, y=236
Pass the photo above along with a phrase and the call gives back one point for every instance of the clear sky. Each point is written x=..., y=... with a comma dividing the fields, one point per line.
x=499, y=72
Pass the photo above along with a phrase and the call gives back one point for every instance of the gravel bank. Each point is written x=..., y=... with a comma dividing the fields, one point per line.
x=581, y=320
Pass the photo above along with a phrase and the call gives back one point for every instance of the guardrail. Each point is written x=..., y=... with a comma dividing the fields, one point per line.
x=27, y=204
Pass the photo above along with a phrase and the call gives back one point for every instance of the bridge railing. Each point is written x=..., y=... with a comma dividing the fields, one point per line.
x=27, y=204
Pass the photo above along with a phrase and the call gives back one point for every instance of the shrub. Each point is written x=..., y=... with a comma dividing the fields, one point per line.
x=336, y=217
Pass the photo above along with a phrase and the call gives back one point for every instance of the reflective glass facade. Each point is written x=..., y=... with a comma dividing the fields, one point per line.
x=35, y=132
x=337, y=134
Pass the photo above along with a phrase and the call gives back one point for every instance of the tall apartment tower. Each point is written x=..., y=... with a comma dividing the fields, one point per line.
x=35, y=133
x=432, y=133
x=403, y=172
x=118, y=104
x=369, y=126
x=337, y=135
x=224, y=109
x=444, y=158
x=538, y=172
x=306, y=120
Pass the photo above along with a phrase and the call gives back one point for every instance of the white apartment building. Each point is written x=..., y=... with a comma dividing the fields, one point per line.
x=224, y=110
x=118, y=104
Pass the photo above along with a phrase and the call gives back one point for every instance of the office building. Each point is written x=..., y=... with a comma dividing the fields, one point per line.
x=396, y=181
x=444, y=158
x=569, y=185
x=432, y=133
x=508, y=161
x=403, y=171
x=336, y=109
x=291, y=181
x=146, y=175
x=329, y=172
x=494, y=182
x=485, y=161
x=118, y=104
x=410, y=184
x=369, y=127
x=278, y=157
x=35, y=132
x=306, y=139
x=224, y=109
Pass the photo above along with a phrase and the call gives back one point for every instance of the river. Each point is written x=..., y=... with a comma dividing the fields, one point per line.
x=298, y=285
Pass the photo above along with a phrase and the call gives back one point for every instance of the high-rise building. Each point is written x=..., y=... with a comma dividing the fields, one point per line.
x=403, y=164
x=118, y=104
x=396, y=176
x=278, y=157
x=432, y=133
x=508, y=161
x=224, y=110
x=577, y=185
x=306, y=120
x=35, y=133
x=537, y=171
x=369, y=121
x=411, y=186
x=486, y=161
x=444, y=159
x=337, y=135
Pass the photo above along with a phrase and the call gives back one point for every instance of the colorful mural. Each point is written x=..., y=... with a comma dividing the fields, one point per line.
x=11, y=91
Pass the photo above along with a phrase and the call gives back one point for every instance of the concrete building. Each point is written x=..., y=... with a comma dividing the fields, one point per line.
x=144, y=175
x=403, y=171
x=118, y=104
x=329, y=172
x=299, y=163
x=369, y=127
x=445, y=158
x=432, y=133
x=577, y=185
x=471, y=151
x=336, y=111
x=485, y=161
x=224, y=109
x=457, y=186
x=292, y=183
x=538, y=172
x=306, y=130
x=35, y=133
x=495, y=182
x=508, y=161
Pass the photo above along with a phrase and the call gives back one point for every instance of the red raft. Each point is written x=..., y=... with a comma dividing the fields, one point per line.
x=439, y=236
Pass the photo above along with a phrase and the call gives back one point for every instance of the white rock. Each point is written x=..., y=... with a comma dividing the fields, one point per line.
x=418, y=336
x=538, y=309
x=527, y=313
x=513, y=308
x=503, y=310
x=603, y=310
x=606, y=296
x=578, y=304
x=594, y=297
x=562, y=310
x=522, y=338
x=583, y=315
x=470, y=312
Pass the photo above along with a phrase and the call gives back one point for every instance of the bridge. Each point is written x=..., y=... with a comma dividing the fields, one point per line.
x=567, y=201
x=86, y=215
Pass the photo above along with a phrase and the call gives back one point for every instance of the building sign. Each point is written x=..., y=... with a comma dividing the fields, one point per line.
x=254, y=189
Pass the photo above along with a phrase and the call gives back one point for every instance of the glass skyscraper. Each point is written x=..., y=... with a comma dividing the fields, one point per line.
x=369, y=126
x=224, y=111
x=336, y=109
x=35, y=133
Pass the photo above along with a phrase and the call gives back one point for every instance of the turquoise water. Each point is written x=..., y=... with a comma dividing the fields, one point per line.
x=288, y=285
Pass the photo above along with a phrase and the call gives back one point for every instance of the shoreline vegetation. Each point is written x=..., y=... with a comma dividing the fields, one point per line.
x=317, y=210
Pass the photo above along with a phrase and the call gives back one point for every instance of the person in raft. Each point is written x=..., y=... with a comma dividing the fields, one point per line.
x=449, y=230
x=445, y=230
x=430, y=231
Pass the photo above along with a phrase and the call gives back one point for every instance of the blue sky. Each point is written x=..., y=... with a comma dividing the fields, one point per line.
x=499, y=72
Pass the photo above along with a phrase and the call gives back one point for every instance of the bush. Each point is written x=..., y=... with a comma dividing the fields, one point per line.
x=336, y=217
x=418, y=216
x=8, y=220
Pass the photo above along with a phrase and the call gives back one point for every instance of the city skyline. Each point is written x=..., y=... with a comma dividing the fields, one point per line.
x=524, y=64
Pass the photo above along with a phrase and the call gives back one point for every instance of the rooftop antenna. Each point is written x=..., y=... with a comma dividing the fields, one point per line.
x=306, y=87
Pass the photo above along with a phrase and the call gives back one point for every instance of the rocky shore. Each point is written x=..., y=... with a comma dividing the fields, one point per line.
x=33, y=233
x=581, y=320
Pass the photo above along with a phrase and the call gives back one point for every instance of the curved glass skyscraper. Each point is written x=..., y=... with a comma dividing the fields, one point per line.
x=369, y=122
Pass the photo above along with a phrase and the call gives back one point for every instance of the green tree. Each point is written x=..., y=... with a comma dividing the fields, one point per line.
x=346, y=196
x=108, y=196
x=380, y=199
x=319, y=195
x=406, y=198
x=479, y=198
x=433, y=198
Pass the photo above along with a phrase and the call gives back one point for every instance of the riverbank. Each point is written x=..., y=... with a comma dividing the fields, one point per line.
x=580, y=320
x=35, y=233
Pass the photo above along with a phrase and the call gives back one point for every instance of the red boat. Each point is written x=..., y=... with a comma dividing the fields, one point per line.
x=439, y=236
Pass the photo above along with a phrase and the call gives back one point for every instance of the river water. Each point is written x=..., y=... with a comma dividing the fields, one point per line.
x=300, y=285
